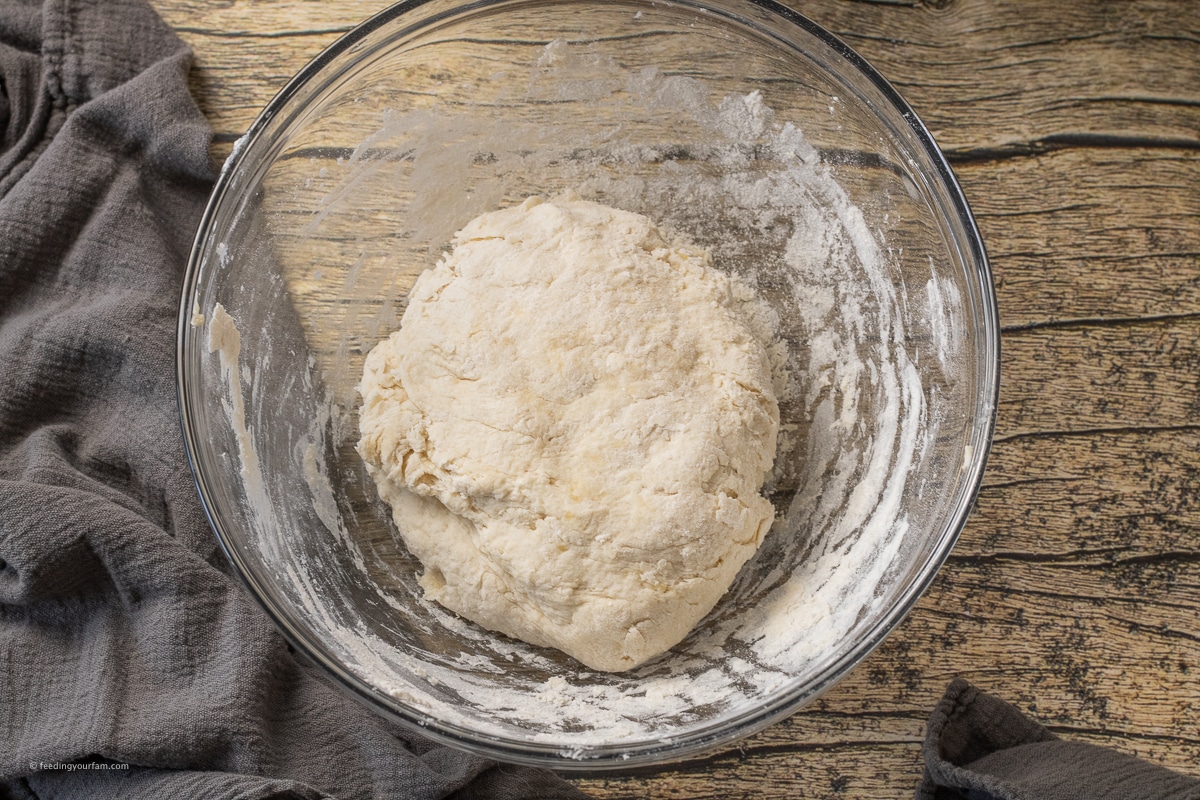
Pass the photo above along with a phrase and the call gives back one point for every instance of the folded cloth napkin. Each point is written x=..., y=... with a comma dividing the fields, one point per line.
x=978, y=747
x=131, y=664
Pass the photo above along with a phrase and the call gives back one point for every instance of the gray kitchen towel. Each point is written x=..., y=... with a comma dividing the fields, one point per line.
x=978, y=747
x=131, y=664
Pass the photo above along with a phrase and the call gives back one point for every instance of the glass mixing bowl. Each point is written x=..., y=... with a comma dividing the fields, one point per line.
x=737, y=124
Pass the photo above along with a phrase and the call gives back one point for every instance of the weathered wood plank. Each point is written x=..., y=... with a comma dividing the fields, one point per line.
x=1087, y=234
x=1126, y=374
x=989, y=78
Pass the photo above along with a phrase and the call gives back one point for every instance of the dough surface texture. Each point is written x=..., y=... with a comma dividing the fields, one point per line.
x=572, y=427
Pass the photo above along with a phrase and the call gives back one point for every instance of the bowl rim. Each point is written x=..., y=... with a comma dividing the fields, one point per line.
x=773, y=708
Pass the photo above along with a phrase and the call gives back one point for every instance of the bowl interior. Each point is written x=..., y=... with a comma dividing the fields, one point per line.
x=736, y=124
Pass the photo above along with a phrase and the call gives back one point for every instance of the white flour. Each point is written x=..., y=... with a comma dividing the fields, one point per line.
x=225, y=341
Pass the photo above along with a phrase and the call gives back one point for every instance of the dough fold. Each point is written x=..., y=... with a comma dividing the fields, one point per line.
x=572, y=427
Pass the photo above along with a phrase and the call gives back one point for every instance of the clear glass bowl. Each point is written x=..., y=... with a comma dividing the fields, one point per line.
x=738, y=124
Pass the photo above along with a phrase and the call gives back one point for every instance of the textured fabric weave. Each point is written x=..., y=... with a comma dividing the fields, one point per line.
x=978, y=747
x=123, y=638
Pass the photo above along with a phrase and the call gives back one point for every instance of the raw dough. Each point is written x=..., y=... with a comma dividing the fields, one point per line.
x=572, y=426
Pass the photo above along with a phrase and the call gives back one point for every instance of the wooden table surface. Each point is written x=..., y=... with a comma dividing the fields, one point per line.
x=1074, y=591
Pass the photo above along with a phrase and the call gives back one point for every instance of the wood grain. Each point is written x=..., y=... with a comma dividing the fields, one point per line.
x=1074, y=591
